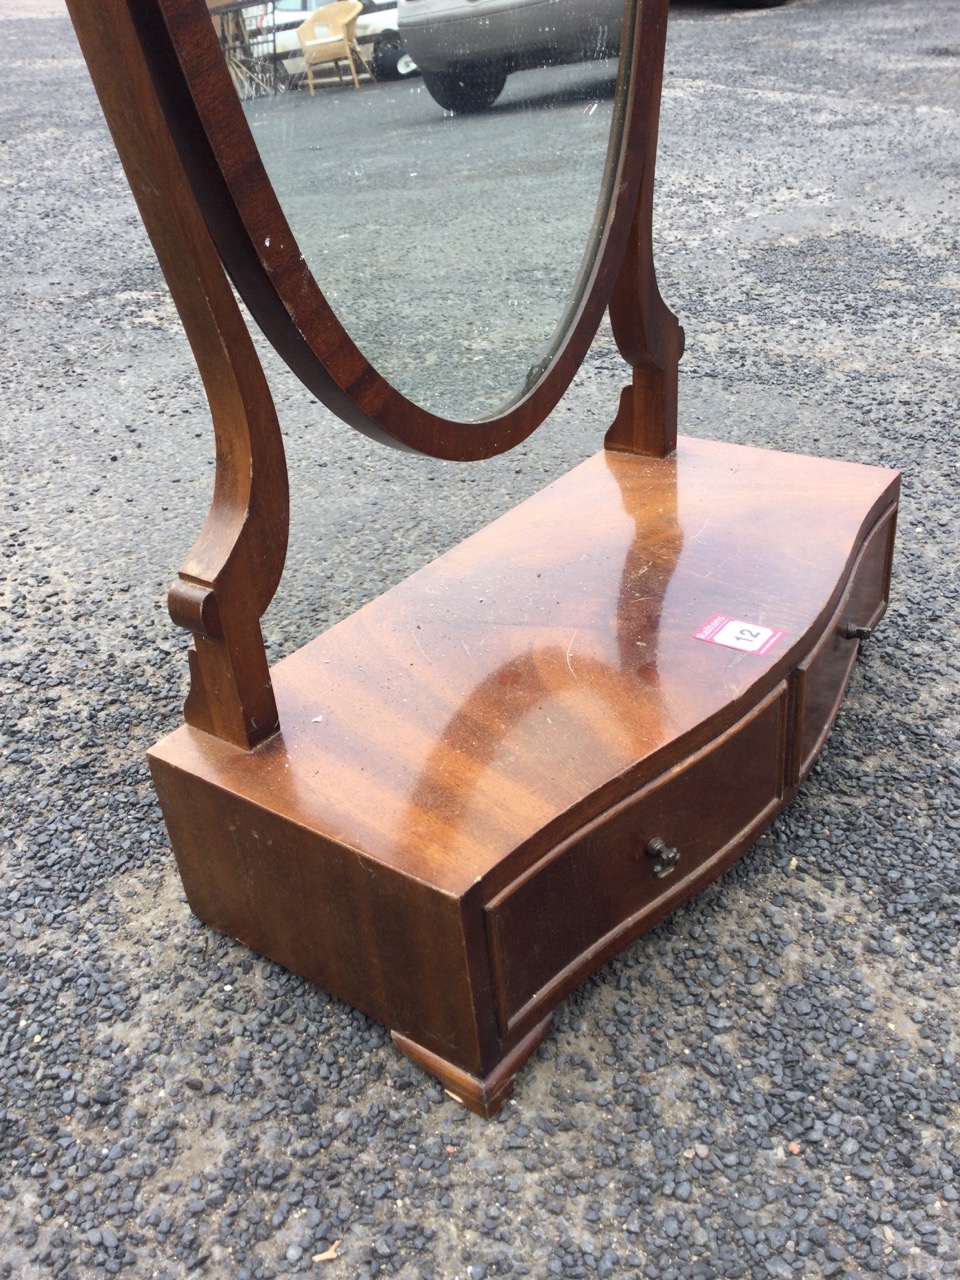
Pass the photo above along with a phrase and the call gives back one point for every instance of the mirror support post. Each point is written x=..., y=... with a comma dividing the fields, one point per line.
x=647, y=332
x=231, y=573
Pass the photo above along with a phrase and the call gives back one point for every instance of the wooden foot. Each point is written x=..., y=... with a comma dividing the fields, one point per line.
x=485, y=1095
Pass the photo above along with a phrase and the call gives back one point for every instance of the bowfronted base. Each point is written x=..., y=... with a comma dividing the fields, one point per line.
x=496, y=775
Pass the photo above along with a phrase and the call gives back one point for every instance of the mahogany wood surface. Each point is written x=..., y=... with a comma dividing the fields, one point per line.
x=598, y=884
x=234, y=567
x=405, y=728
x=647, y=332
x=449, y=830
x=823, y=676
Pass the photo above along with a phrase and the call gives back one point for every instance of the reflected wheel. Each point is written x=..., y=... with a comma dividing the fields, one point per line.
x=467, y=89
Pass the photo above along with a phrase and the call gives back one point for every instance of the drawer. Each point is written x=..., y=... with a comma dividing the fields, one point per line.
x=586, y=898
x=822, y=678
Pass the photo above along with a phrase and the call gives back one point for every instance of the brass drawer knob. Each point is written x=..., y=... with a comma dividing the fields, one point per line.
x=851, y=632
x=667, y=859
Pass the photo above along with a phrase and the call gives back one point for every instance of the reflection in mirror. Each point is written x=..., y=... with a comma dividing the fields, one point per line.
x=449, y=209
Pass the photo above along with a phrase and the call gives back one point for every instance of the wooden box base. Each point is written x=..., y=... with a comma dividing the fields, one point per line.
x=496, y=775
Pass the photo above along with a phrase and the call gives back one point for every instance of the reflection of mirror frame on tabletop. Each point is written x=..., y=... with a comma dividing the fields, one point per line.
x=457, y=803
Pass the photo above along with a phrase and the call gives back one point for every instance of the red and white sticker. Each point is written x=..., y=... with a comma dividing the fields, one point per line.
x=734, y=633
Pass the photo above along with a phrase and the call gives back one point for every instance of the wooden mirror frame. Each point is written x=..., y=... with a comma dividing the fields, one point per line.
x=260, y=252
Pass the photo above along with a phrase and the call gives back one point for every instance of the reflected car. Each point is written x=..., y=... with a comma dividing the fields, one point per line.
x=465, y=49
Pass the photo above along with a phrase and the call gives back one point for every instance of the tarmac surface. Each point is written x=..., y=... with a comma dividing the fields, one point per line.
x=765, y=1085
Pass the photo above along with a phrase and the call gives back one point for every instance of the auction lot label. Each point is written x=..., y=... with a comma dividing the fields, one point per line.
x=734, y=633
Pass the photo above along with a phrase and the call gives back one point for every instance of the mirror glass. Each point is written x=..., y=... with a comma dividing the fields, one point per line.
x=441, y=164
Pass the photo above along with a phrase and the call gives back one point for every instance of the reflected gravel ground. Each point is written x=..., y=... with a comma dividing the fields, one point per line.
x=767, y=1084
x=439, y=239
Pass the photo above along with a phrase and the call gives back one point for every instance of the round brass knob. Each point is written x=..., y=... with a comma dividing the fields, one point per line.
x=667, y=859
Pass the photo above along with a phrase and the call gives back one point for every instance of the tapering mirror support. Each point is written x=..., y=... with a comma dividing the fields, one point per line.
x=647, y=332
x=234, y=567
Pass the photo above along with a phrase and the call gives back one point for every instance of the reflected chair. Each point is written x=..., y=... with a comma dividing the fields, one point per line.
x=329, y=35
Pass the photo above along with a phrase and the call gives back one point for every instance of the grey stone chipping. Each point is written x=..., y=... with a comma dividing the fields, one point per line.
x=765, y=1085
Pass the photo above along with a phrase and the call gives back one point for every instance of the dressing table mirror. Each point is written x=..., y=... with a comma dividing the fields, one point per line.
x=451, y=807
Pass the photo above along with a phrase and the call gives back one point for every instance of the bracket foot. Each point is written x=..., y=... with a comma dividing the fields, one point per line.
x=484, y=1095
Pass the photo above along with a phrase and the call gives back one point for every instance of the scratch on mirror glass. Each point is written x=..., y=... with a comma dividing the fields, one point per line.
x=696, y=535
x=569, y=648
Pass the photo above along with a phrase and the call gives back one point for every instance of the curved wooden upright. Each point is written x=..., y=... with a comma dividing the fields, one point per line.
x=647, y=332
x=451, y=807
x=234, y=567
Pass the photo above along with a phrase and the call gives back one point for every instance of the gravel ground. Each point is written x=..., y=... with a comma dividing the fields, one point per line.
x=767, y=1084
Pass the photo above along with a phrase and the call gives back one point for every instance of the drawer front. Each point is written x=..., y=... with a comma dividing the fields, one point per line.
x=823, y=678
x=587, y=897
